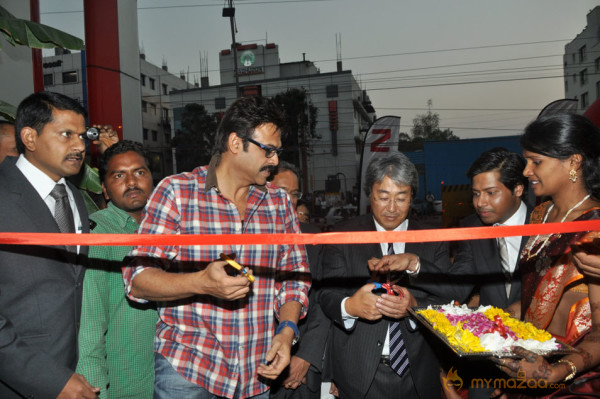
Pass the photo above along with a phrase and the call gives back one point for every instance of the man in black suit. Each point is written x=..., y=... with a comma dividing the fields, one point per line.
x=499, y=188
x=302, y=378
x=40, y=288
x=369, y=358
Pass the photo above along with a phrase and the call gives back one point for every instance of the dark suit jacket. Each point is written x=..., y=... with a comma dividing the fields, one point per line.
x=40, y=295
x=480, y=260
x=314, y=329
x=354, y=355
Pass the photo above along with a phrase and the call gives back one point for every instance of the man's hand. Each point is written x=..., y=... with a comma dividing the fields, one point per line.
x=396, y=306
x=278, y=357
x=215, y=281
x=394, y=263
x=108, y=136
x=586, y=254
x=297, y=373
x=587, y=263
x=77, y=387
x=334, y=390
x=363, y=304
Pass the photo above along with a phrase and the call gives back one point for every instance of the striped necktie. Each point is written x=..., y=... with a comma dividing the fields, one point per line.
x=398, y=354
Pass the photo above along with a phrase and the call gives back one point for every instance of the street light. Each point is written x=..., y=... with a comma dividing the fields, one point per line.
x=229, y=12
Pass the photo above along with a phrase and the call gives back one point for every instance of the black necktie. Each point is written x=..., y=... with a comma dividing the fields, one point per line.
x=398, y=354
x=63, y=214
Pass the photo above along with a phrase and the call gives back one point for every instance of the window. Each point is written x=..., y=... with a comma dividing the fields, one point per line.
x=598, y=89
x=573, y=57
x=165, y=113
x=582, y=53
x=167, y=138
x=145, y=134
x=566, y=85
x=143, y=79
x=165, y=89
x=584, y=100
x=152, y=109
x=152, y=84
x=597, y=65
x=69, y=77
x=574, y=78
x=48, y=79
x=154, y=135
x=220, y=103
x=144, y=106
x=332, y=91
x=583, y=77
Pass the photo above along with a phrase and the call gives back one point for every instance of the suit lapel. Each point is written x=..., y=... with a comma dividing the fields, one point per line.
x=29, y=201
x=34, y=209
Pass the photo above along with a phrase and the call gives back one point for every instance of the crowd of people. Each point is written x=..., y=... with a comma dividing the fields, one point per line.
x=280, y=320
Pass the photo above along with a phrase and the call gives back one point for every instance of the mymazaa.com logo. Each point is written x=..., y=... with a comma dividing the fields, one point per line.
x=453, y=380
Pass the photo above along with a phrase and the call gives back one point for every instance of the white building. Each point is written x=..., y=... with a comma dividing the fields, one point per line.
x=65, y=73
x=344, y=109
x=582, y=63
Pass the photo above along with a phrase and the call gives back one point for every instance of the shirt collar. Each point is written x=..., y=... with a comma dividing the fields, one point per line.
x=517, y=218
x=42, y=183
x=211, y=176
x=120, y=216
x=401, y=227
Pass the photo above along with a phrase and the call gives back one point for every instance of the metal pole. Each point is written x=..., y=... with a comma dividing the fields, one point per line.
x=234, y=45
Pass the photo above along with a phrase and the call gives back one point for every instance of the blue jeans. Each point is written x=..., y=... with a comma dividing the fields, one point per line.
x=168, y=384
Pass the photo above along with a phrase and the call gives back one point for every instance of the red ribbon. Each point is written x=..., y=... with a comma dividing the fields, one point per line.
x=354, y=237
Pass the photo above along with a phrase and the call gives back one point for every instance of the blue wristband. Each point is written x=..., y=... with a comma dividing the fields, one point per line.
x=293, y=326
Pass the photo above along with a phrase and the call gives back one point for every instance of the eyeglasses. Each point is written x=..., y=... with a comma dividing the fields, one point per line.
x=297, y=194
x=269, y=151
x=385, y=202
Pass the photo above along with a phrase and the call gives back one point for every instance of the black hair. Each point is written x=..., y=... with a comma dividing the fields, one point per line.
x=245, y=115
x=563, y=135
x=394, y=165
x=35, y=111
x=509, y=165
x=120, y=148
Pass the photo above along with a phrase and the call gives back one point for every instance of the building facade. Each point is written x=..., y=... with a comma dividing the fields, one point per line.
x=344, y=111
x=582, y=63
x=65, y=73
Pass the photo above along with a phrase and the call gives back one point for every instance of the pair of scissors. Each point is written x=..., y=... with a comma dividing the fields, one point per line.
x=237, y=266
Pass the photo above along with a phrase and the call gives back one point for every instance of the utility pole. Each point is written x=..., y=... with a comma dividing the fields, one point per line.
x=230, y=12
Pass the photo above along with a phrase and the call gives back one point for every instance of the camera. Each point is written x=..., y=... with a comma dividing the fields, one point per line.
x=92, y=133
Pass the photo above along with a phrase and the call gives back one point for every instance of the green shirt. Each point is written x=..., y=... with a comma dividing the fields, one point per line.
x=116, y=336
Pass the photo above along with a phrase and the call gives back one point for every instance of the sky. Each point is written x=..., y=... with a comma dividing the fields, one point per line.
x=488, y=67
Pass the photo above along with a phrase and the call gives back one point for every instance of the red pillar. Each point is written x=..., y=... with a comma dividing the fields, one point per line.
x=103, y=63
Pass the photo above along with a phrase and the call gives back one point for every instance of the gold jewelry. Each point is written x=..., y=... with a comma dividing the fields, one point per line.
x=529, y=254
x=573, y=175
x=571, y=366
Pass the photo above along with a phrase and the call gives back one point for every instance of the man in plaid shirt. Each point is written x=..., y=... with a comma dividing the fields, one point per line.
x=215, y=336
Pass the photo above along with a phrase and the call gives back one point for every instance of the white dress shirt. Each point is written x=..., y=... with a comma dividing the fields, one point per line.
x=514, y=242
x=398, y=249
x=43, y=184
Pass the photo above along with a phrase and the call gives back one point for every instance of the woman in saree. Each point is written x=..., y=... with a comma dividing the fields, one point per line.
x=563, y=166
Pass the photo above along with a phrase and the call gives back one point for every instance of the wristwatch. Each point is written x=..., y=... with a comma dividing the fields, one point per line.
x=293, y=326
